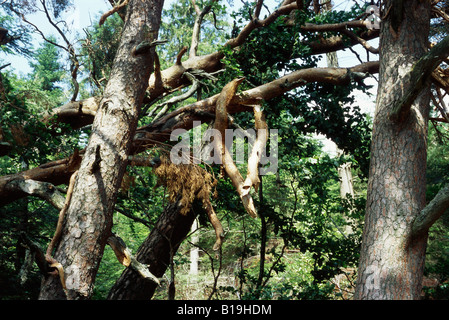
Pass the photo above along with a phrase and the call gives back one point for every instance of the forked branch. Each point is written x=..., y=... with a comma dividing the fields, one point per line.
x=221, y=124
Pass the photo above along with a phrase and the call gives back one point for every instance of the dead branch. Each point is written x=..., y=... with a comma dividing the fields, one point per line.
x=74, y=66
x=216, y=224
x=221, y=124
x=109, y=13
x=55, y=172
x=60, y=223
x=125, y=257
x=197, y=25
x=363, y=42
x=43, y=190
x=252, y=178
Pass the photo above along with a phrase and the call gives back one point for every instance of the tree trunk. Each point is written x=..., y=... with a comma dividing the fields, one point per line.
x=89, y=216
x=156, y=251
x=392, y=261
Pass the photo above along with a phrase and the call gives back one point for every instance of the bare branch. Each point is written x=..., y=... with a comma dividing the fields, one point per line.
x=197, y=25
x=254, y=24
x=252, y=178
x=112, y=11
x=69, y=49
x=44, y=190
x=259, y=4
x=167, y=104
x=55, y=172
x=125, y=257
x=38, y=30
x=221, y=124
x=363, y=42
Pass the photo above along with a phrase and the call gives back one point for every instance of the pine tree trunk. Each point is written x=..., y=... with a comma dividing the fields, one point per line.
x=89, y=216
x=391, y=262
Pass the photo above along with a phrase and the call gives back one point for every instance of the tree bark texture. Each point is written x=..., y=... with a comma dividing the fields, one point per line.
x=89, y=216
x=392, y=261
x=156, y=251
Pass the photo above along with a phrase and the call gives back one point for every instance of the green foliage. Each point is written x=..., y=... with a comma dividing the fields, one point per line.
x=47, y=69
x=25, y=100
x=315, y=108
x=330, y=110
x=60, y=6
x=20, y=39
x=437, y=255
x=97, y=53
x=35, y=218
x=177, y=27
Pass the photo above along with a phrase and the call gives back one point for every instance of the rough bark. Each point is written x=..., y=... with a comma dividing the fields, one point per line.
x=89, y=216
x=391, y=262
x=156, y=251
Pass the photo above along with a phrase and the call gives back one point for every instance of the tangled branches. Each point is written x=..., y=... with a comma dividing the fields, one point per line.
x=190, y=182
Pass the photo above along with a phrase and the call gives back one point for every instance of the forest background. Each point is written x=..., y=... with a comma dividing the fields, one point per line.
x=305, y=244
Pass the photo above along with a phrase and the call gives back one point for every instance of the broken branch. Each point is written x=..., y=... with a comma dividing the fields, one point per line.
x=124, y=256
x=221, y=124
x=109, y=13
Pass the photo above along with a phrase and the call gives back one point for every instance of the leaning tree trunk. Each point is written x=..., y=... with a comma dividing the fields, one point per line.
x=391, y=262
x=89, y=216
x=157, y=250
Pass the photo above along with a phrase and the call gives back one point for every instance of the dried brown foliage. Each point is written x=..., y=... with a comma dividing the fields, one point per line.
x=187, y=180
x=190, y=182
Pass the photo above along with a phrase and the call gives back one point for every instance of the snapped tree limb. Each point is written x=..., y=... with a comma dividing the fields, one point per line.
x=431, y=213
x=16, y=186
x=221, y=124
x=45, y=262
x=125, y=257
